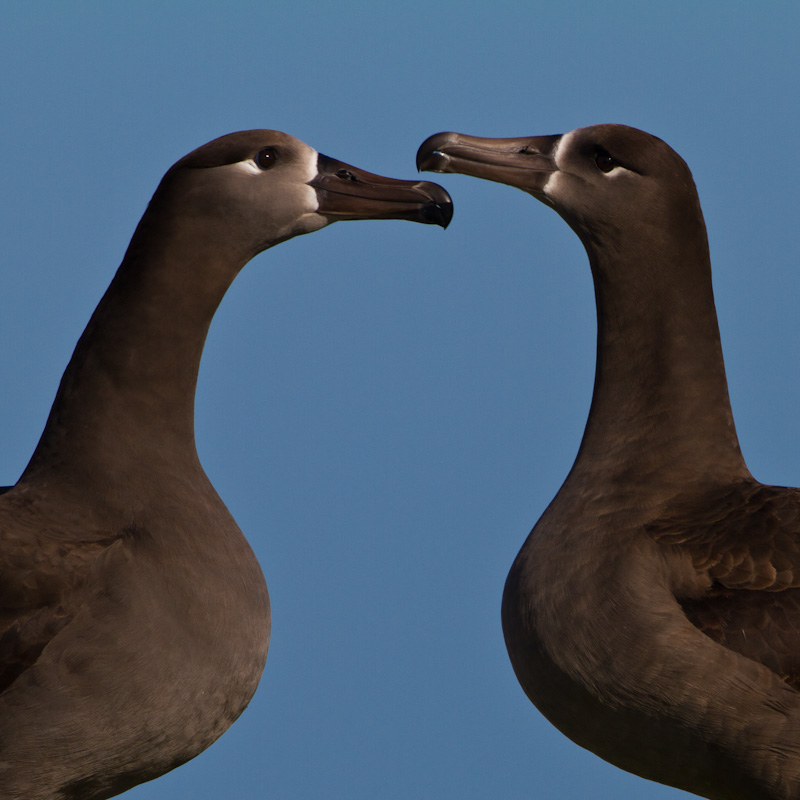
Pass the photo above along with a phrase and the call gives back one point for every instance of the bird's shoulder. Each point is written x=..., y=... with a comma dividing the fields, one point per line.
x=743, y=535
x=45, y=566
x=742, y=542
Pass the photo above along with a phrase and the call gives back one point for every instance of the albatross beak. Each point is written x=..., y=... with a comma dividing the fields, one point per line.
x=346, y=192
x=526, y=162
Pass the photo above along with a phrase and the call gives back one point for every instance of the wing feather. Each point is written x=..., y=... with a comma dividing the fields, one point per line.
x=743, y=541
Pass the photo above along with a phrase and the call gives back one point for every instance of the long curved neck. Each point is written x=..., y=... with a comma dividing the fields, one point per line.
x=126, y=400
x=660, y=414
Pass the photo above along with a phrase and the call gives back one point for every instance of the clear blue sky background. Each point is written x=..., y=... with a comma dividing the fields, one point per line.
x=387, y=408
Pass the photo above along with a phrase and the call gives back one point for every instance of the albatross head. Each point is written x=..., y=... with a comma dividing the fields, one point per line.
x=253, y=189
x=609, y=182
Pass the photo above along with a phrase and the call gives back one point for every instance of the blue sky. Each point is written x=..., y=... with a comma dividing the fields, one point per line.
x=387, y=408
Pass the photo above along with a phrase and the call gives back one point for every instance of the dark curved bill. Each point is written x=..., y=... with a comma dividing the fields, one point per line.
x=346, y=192
x=525, y=162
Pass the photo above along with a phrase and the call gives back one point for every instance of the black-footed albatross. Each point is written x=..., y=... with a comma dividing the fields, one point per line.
x=653, y=614
x=134, y=615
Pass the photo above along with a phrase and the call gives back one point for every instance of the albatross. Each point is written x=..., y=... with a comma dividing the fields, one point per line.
x=134, y=617
x=653, y=613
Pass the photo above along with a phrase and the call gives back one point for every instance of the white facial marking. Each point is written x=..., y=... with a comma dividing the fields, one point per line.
x=248, y=166
x=310, y=220
x=551, y=187
x=311, y=173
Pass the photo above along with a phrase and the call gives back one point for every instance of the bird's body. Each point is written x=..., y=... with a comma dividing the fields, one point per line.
x=131, y=656
x=134, y=617
x=653, y=614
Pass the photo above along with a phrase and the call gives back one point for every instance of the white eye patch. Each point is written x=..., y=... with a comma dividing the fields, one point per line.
x=248, y=166
x=303, y=171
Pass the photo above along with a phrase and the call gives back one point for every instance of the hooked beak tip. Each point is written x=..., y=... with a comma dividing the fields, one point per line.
x=438, y=214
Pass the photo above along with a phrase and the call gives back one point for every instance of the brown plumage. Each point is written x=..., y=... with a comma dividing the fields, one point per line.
x=134, y=617
x=745, y=536
x=653, y=614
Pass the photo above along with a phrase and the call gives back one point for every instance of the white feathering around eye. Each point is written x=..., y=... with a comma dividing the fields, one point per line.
x=550, y=189
x=248, y=165
x=309, y=167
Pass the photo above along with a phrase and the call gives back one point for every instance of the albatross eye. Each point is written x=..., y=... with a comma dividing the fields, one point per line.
x=605, y=162
x=266, y=158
